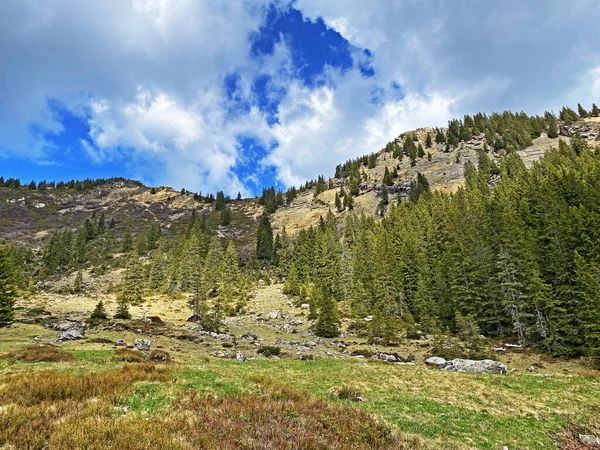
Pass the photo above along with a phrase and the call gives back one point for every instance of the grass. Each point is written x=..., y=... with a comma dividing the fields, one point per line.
x=95, y=399
x=227, y=404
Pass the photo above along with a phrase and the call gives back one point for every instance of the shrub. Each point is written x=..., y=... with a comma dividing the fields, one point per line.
x=100, y=340
x=128, y=355
x=269, y=350
x=159, y=356
x=41, y=353
x=346, y=392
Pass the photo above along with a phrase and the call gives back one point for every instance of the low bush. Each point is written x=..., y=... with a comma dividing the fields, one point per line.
x=269, y=350
x=40, y=353
x=346, y=392
x=159, y=356
x=128, y=355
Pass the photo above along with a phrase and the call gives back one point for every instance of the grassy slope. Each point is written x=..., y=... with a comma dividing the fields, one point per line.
x=444, y=409
x=438, y=409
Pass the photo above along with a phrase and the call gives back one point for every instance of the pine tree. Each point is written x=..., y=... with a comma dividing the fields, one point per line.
x=328, y=323
x=127, y=244
x=7, y=288
x=133, y=282
x=428, y=141
x=264, y=239
x=99, y=312
x=226, y=216
x=338, y=203
x=595, y=111
x=142, y=244
x=231, y=278
x=78, y=283
x=581, y=111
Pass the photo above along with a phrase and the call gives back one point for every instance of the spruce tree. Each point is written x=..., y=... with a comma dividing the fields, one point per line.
x=133, y=282
x=428, y=141
x=595, y=111
x=7, y=288
x=581, y=111
x=338, y=203
x=264, y=239
x=328, y=323
x=78, y=283
x=99, y=312
x=127, y=244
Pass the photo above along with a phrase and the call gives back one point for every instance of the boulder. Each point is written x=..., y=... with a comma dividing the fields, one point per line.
x=288, y=328
x=142, y=344
x=240, y=356
x=589, y=439
x=273, y=314
x=437, y=362
x=249, y=337
x=72, y=334
x=469, y=365
x=120, y=343
x=391, y=357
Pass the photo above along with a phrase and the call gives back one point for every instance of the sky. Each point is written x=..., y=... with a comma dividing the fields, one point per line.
x=238, y=95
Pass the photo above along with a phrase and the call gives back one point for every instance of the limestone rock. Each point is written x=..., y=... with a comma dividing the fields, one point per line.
x=468, y=365
x=142, y=344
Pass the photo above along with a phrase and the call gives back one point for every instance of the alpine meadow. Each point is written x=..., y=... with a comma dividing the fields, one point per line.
x=187, y=262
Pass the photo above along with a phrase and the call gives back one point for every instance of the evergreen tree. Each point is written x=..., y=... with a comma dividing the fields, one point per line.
x=7, y=288
x=428, y=141
x=581, y=111
x=328, y=323
x=127, y=244
x=78, y=283
x=264, y=239
x=226, y=216
x=338, y=203
x=133, y=282
x=99, y=312
x=595, y=111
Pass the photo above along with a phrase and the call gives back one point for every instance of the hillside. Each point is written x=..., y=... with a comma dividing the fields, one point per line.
x=136, y=317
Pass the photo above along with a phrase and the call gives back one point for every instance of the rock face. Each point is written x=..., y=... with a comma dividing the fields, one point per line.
x=142, y=344
x=466, y=365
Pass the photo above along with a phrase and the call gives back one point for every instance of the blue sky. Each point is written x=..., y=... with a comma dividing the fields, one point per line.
x=244, y=94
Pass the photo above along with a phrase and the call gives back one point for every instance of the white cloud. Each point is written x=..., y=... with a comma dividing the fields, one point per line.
x=148, y=74
x=323, y=127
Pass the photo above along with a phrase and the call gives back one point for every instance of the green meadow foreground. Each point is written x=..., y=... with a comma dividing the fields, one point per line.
x=90, y=394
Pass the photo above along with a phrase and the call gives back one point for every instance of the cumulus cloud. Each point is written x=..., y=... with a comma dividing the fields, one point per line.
x=148, y=78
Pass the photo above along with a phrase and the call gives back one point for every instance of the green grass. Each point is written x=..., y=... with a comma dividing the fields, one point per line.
x=472, y=410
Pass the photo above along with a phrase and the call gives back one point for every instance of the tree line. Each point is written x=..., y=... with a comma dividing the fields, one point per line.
x=520, y=259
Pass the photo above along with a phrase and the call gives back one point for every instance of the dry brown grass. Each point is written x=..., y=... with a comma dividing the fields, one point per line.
x=128, y=355
x=39, y=353
x=52, y=410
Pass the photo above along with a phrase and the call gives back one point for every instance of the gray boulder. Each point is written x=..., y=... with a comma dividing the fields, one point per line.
x=589, y=439
x=72, y=334
x=468, y=365
x=120, y=343
x=240, y=356
x=142, y=344
x=437, y=362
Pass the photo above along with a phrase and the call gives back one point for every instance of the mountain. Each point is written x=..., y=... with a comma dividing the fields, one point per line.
x=144, y=317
